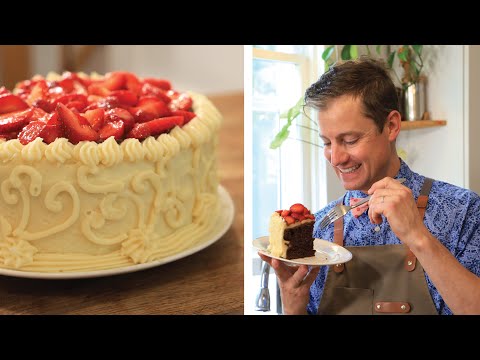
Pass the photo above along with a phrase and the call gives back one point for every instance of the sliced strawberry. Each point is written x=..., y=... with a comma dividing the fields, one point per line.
x=120, y=114
x=80, y=88
x=43, y=104
x=67, y=84
x=296, y=216
x=53, y=119
x=114, y=81
x=14, y=121
x=98, y=89
x=110, y=102
x=172, y=94
x=10, y=103
x=125, y=97
x=53, y=130
x=132, y=83
x=54, y=89
x=94, y=98
x=27, y=85
x=76, y=105
x=162, y=125
x=139, y=131
x=289, y=220
x=297, y=208
x=9, y=136
x=279, y=212
x=77, y=80
x=39, y=115
x=285, y=213
x=187, y=115
x=4, y=90
x=149, y=108
x=96, y=118
x=75, y=127
x=154, y=127
x=80, y=100
x=31, y=131
x=151, y=90
x=306, y=211
x=182, y=102
x=310, y=216
x=160, y=83
x=39, y=92
x=114, y=128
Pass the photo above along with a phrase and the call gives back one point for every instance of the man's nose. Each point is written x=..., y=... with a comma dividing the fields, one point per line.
x=338, y=155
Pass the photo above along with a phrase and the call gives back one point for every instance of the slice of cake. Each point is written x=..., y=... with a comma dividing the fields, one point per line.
x=291, y=233
x=100, y=172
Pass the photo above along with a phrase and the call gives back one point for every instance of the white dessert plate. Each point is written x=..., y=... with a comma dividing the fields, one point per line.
x=327, y=253
x=223, y=223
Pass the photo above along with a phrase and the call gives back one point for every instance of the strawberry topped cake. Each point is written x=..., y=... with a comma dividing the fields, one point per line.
x=291, y=233
x=99, y=172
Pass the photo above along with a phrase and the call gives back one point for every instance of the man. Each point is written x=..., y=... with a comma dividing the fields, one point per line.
x=429, y=231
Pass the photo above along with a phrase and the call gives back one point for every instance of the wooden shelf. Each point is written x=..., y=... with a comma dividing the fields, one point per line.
x=420, y=124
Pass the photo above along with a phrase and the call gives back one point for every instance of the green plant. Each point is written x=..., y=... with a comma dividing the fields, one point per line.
x=410, y=60
x=409, y=56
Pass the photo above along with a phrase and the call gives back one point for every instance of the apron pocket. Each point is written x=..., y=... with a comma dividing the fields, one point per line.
x=348, y=301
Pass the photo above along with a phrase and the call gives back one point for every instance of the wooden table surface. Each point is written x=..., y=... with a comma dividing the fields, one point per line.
x=207, y=282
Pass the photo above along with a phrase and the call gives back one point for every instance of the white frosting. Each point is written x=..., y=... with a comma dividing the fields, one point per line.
x=277, y=245
x=89, y=206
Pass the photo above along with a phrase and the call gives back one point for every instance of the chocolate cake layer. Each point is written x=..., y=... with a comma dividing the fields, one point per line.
x=301, y=241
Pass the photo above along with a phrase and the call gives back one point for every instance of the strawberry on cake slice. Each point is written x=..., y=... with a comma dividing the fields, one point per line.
x=291, y=233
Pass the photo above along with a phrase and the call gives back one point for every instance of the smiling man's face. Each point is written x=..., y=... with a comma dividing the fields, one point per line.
x=357, y=151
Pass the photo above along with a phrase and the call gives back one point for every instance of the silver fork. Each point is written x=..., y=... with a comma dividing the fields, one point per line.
x=340, y=210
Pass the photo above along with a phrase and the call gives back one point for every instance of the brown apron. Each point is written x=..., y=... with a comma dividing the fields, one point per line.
x=382, y=279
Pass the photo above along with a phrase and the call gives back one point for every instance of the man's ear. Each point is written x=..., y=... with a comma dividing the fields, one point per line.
x=393, y=124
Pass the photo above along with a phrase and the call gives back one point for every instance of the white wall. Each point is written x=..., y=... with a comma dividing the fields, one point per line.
x=438, y=152
x=209, y=69
x=472, y=110
x=45, y=58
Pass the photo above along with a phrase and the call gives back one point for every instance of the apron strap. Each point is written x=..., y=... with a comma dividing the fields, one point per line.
x=338, y=239
x=411, y=259
x=422, y=201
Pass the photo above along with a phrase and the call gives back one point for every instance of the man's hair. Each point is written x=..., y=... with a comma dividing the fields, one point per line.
x=365, y=78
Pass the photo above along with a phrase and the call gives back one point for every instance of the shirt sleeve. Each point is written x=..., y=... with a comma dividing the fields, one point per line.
x=468, y=246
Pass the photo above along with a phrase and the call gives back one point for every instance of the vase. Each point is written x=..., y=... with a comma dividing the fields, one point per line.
x=415, y=101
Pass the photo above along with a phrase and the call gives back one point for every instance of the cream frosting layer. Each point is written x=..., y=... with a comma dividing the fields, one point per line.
x=278, y=246
x=90, y=206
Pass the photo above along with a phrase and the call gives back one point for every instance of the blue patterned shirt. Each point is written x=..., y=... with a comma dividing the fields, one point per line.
x=452, y=216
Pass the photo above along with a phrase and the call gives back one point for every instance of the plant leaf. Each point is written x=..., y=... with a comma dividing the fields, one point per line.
x=390, y=59
x=293, y=112
x=402, y=55
x=290, y=115
x=346, y=52
x=378, y=48
x=353, y=51
x=280, y=137
x=328, y=52
x=418, y=49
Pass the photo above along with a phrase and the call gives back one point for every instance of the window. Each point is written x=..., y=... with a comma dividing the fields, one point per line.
x=293, y=172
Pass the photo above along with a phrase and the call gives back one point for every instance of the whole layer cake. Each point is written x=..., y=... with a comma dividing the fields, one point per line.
x=291, y=233
x=99, y=172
